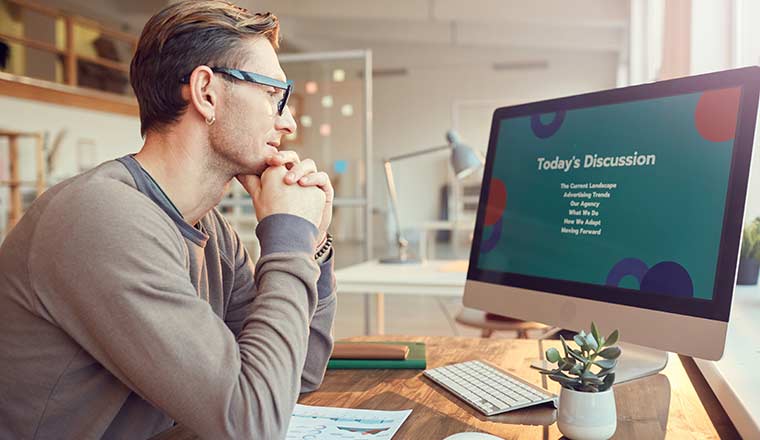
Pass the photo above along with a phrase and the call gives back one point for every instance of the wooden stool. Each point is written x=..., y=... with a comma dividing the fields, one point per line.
x=15, y=183
x=489, y=323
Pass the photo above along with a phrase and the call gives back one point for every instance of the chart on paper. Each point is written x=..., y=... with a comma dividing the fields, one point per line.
x=319, y=422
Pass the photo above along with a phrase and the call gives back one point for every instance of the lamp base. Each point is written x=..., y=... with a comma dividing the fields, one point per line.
x=400, y=260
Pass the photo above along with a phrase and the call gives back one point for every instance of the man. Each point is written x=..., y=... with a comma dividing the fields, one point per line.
x=127, y=303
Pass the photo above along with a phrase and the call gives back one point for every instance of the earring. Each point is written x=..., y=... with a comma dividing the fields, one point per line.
x=210, y=120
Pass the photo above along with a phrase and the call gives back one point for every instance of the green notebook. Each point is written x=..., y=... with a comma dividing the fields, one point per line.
x=415, y=359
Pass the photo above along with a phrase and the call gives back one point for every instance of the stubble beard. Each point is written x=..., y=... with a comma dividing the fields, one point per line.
x=230, y=155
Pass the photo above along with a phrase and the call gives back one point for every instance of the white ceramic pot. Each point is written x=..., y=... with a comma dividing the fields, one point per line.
x=587, y=416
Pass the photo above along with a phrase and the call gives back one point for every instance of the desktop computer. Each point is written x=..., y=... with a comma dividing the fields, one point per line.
x=622, y=207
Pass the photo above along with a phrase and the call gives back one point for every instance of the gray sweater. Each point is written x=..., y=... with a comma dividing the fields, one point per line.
x=117, y=318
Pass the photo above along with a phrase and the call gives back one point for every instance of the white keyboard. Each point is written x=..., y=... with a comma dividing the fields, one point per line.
x=490, y=390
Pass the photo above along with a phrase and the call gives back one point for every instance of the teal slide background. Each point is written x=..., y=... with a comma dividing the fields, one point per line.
x=672, y=211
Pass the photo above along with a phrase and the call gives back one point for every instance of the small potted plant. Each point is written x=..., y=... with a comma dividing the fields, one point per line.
x=749, y=257
x=586, y=402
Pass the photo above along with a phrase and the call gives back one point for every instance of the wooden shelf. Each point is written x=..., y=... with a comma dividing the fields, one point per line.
x=105, y=62
x=34, y=44
x=45, y=91
x=68, y=54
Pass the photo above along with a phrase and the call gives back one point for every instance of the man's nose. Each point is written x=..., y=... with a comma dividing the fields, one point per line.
x=285, y=122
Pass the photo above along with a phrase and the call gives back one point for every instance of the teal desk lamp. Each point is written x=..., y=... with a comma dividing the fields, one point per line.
x=464, y=161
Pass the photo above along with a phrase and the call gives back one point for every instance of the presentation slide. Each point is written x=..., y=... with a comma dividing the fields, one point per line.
x=629, y=195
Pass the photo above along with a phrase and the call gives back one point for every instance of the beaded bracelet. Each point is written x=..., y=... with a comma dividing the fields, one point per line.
x=325, y=247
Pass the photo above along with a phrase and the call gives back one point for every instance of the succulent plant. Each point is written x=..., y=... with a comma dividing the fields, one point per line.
x=751, y=240
x=590, y=367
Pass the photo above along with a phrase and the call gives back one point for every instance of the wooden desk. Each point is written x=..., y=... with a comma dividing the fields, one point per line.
x=430, y=277
x=676, y=404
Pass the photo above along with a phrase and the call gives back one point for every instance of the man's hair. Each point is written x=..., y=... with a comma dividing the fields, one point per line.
x=181, y=37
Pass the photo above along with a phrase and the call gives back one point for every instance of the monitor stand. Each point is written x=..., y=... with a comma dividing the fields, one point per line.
x=636, y=362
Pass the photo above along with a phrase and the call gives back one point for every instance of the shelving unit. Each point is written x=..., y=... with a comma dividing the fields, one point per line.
x=66, y=49
x=14, y=183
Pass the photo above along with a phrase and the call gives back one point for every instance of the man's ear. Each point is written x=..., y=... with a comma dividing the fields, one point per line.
x=203, y=95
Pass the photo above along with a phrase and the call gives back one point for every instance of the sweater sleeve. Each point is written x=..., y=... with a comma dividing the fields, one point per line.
x=320, y=329
x=111, y=270
x=273, y=236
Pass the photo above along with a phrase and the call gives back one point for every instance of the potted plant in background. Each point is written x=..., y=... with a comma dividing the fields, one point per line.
x=586, y=402
x=749, y=258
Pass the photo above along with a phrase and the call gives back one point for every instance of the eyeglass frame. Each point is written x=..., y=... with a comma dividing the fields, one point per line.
x=255, y=78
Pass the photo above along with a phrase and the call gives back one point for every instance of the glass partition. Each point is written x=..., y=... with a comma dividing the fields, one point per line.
x=331, y=103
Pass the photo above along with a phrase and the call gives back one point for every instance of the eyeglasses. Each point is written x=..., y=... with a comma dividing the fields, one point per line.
x=255, y=78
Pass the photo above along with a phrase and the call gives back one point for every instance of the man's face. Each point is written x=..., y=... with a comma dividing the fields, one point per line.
x=248, y=129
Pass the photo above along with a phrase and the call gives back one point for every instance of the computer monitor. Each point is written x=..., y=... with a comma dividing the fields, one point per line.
x=623, y=207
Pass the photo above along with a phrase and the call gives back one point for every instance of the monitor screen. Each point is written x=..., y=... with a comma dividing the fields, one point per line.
x=633, y=196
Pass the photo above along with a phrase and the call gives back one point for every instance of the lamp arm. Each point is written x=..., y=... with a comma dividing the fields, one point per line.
x=402, y=243
x=418, y=153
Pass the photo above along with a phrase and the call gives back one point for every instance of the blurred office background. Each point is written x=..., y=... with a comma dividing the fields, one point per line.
x=374, y=79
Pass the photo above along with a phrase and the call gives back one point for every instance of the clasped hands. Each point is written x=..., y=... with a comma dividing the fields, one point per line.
x=291, y=186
